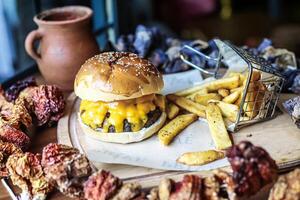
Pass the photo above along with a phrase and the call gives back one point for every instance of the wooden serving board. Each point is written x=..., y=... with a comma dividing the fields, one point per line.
x=279, y=136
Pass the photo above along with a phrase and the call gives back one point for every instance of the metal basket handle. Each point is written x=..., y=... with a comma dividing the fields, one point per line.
x=183, y=57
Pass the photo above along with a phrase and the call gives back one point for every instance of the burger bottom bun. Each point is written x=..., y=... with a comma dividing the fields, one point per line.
x=125, y=137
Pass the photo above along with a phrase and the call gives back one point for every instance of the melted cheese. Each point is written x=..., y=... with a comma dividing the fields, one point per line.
x=135, y=112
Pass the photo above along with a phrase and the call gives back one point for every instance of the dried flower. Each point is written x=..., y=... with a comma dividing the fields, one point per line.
x=189, y=188
x=15, y=136
x=6, y=149
x=101, y=185
x=55, y=153
x=14, y=90
x=287, y=187
x=128, y=191
x=66, y=169
x=253, y=168
x=48, y=104
x=26, y=172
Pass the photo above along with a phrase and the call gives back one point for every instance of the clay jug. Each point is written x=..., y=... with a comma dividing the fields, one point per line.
x=65, y=42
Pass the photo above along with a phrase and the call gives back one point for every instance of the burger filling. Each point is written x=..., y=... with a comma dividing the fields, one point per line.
x=122, y=116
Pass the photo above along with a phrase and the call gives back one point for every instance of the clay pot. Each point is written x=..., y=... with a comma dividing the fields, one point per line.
x=65, y=42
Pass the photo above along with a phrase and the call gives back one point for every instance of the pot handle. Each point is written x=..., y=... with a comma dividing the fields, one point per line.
x=29, y=43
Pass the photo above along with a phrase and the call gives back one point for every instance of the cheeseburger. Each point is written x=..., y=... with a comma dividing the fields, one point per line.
x=119, y=97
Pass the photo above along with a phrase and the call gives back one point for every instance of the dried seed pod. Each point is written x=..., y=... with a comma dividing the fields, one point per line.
x=165, y=188
x=13, y=91
x=18, y=116
x=189, y=188
x=66, y=169
x=141, y=196
x=6, y=149
x=153, y=194
x=287, y=187
x=68, y=176
x=48, y=103
x=227, y=185
x=128, y=191
x=211, y=188
x=26, y=172
x=253, y=168
x=25, y=97
x=15, y=136
x=5, y=106
x=55, y=153
x=101, y=185
x=197, y=188
x=15, y=114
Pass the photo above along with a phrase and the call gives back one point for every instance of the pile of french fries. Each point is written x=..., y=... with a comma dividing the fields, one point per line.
x=219, y=103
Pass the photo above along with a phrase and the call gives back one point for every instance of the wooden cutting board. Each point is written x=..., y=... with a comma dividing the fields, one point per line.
x=278, y=136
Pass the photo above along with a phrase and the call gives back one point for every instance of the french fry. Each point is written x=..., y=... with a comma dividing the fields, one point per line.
x=172, y=110
x=217, y=127
x=190, y=90
x=240, y=89
x=239, y=100
x=223, y=92
x=227, y=122
x=256, y=75
x=200, y=157
x=204, y=98
x=255, y=98
x=231, y=74
x=248, y=106
x=260, y=96
x=167, y=133
x=242, y=77
x=160, y=101
x=188, y=105
x=202, y=91
x=227, y=83
x=232, y=97
x=228, y=110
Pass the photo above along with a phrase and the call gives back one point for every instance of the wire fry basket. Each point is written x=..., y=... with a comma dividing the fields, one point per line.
x=262, y=86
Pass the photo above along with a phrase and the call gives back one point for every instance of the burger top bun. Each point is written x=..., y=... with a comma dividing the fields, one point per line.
x=113, y=76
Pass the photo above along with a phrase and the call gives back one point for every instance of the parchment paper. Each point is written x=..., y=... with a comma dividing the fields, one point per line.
x=150, y=153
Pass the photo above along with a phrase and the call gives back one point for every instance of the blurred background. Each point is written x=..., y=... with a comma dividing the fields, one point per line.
x=244, y=22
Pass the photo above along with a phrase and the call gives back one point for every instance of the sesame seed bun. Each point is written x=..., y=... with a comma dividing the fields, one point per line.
x=113, y=76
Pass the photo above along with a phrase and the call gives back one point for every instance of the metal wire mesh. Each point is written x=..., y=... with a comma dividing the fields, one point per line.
x=259, y=97
x=260, y=101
